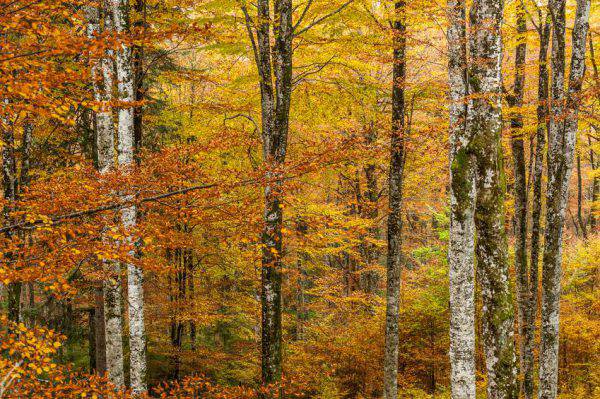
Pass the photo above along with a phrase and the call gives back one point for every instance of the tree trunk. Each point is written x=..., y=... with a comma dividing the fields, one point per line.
x=561, y=148
x=9, y=180
x=126, y=149
x=580, y=221
x=520, y=187
x=100, y=335
x=528, y=331
x=273, y=62
x=485, y=127
x=461, y=248
x=102, y=84
x=93, y=364
x=596, y=182
x=369, y=279
x=138, y=70
x=394, y=234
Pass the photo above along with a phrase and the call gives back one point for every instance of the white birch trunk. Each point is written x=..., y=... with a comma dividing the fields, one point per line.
x=137, y=335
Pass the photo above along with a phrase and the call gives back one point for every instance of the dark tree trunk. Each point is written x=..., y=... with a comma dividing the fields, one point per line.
x=138, y=72
x=515, y=100
x=274, y=64
x=100, y=335
x=370, y=252
x=528, y=331
x=9, y=180
x=596, y=182
x=580, y=221
x=92, y=340
x=396, y=176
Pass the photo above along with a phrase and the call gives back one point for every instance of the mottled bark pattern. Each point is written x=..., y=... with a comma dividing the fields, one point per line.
x=461, y=248
x=484, y=121
x=125, y=151
x=102, y=79
x=275, y=71
x=113, y=325
x=394, y=233
x=561, y=147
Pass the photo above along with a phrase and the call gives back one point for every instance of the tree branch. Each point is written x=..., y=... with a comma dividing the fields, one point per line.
x=323, y=18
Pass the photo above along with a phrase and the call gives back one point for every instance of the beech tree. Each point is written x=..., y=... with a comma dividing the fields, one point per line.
x=396, y=172
x=102, y=80
x=476, y=167
x=563, y=121
x=461, y=250
x=125, y=149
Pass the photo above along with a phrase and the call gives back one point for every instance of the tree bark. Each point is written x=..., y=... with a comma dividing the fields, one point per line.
x=138, y=68
x=484, y=122
x=461, y=250
x=102, y=84
x=100, y=335
x=394, y=233
x=530, y=313
x=561, y=147
x=126, y=149
x=274, y=66
x=515, y=101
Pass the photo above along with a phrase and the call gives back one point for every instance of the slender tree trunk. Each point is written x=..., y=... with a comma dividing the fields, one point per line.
x=102, y=83
x=192, y=293
x=138, y=70
x=595, y=189
x=580, y=221
x=461, y=250
x=100, y=335
x=520, y=186
x=9, y=180
x=561, y=147
x=273, y=62
x=92, y=340
x=528, y=331
x=394, y=233
x=596, y=182
x=370, y=252
x=126, y=149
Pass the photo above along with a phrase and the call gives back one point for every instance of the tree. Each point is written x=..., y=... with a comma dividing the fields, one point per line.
x=396, y=172
x=476, y=167
x=273, y=63
x=461, y=250
x=515, y=101
x=125, y=150
x=484, y=124
x=562, y=131
x=102, y=79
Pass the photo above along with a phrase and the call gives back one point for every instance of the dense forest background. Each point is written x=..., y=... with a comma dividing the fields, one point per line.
x=159, y=203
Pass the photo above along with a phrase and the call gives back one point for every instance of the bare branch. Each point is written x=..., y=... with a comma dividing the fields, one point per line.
x=249, y=25
x=302, y=15
x=323, y=18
